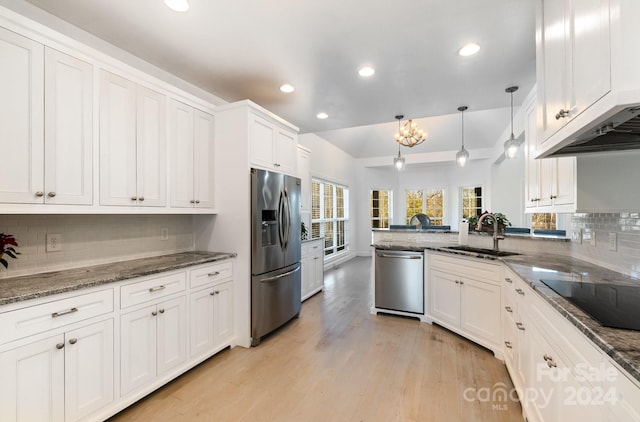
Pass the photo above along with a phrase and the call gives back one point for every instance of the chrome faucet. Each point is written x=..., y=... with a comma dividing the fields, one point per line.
x=496, y=237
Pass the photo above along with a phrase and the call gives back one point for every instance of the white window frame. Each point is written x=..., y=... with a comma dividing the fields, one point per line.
x=332, y=250
x=389, y=208
x=425, y=193
x=461, y=198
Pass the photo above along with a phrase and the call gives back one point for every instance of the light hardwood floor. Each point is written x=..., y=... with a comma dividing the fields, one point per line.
x=337, y=362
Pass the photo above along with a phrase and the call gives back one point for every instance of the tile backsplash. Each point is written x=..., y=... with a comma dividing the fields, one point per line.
x=92, y=239
x=626, y=226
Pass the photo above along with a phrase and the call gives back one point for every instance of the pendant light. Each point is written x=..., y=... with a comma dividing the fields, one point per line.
x=511, y=145
x=463, y=155
x=399, y=162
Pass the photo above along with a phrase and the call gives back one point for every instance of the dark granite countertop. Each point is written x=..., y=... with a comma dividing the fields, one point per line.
x=623, y=346
x=16, y=289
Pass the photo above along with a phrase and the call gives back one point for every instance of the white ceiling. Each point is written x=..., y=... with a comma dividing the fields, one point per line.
x=238, y=49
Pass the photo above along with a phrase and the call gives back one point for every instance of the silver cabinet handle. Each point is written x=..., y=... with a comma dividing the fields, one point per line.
x=213, y=274
x=316, y=258
x=141, y=198
x=73, y=341
x=68, y=311
x=276, y=164
x=456, y=281
x=162, y=311
x=520, y=292
x=508, y=344
x=551, y=364
x=51, y=194
x=157, y=288
x=562, y=114
x=508, y=308
x=59, y=346
x=217, y=292
x=461, y=282
x=553, y=196
x=193, y=201
x=134, y=198
x=508, y=280
x=520, y=326
x=383, y=255
x=546, y=357
x=39, y=194
x=264, y=280
x=315, y=247
x=154, y=313
x=197, y=201
x=212, y=294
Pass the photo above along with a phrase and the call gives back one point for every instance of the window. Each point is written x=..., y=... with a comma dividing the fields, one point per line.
x=380, y=204
x=543, y=221
x=426, y=201
x=330, y=215
x=471, y=201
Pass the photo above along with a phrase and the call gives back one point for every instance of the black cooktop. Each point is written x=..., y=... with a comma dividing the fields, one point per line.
x=612, y=305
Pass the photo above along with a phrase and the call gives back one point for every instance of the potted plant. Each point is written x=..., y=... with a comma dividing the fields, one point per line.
x=304, y=233
x=7, y=243
x=488, y=222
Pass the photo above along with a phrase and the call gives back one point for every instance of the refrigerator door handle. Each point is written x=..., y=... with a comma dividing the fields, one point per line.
x=278, y=277
x=281, y=220
x=287, y=222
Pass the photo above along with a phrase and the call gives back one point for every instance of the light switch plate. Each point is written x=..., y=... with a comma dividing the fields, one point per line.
x=613, y=242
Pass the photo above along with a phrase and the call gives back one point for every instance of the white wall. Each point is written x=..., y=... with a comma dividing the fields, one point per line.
x=507, y=187
x=330, y=163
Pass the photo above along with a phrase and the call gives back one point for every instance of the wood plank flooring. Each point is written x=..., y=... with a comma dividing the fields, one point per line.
x=337, y=362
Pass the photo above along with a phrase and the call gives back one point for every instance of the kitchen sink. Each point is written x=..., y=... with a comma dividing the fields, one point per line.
x=481, y=251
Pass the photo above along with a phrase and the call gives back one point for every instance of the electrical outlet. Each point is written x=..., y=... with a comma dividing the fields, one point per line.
x=54, y=243
x=164, y=234
x=613, y=242
x=589, y=237
x=593, y=238
x=576, y=236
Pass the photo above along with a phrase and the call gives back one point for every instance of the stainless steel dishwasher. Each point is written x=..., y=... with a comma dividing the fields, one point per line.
x=399, y=281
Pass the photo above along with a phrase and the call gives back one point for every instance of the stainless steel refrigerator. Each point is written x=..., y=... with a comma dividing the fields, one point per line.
x=275, y=251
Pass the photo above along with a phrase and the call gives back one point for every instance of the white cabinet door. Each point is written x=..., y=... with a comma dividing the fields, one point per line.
x=68, y=129
x=261, y=143
x=223, y=316
x=203, y=160
x=304, y=173
x=21, y=119
x=201, y=305
x=32, y=387
x=172, y=334
x=151, y=170
x=89, y=380
x=480, y=309
x=181, y=137
x=445, y=297
x=306, y=276
x=137, y=349
x=118, y=105
x=318, y=271
x=286, y=145
x=548, y=178
x=532, y=187
x=564, y=186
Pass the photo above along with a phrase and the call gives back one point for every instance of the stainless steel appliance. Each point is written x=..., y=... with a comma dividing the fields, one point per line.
x=399, y=281
x=275, y=251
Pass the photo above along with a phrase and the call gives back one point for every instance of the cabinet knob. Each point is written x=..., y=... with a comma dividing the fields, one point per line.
x=553, y=196
x=162, y=311
x=134, y=198
x=546, y=357
x=73, y=341
x=212, y=294
x=141, y=199
x=59, y=346
x=562, y=114
x=276, y=164
x=39, y=194
x=457, y=282
x=197, y=201
x=217, y=292
x=461, y=282
x=508, y=309
x=520, y=326
x=508, y=344
x=193, y=201
x=154, y=313
x=51, y=194
x=520, y=292
x=508, y=280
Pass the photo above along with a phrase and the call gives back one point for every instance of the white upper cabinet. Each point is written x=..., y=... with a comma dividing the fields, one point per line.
x=21, y=119
x=132, y=143
x=272, y=147
x=192, y=156
x=68, y=129
x=304, y=173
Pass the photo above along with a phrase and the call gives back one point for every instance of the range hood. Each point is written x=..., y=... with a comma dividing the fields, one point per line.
x=619, y=132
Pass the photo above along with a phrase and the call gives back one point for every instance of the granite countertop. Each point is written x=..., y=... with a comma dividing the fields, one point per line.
x=16, y=289
x=530, y=236
x=623, y=346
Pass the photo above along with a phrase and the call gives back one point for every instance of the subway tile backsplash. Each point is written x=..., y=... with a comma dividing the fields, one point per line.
x=92, y=239
x=626, y=226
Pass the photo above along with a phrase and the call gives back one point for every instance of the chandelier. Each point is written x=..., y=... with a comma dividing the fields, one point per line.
x=408, y=134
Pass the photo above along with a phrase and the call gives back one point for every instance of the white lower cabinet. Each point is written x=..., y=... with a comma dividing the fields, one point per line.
x=67, y=376
x=153, y=341
x=211, y=318
x=464, y=296
x=312, y=267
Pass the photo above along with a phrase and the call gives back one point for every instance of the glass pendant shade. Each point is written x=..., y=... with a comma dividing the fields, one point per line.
x=511, y=147
x=462, y=157
x=399, y=162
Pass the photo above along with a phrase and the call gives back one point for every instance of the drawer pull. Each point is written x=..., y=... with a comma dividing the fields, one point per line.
x=39, y=194
x=212, y=293
x=551, y=363
x=520, y=292
x=315, y=247
x=162, y=311
x=508, y=280
x=213, y=274
x=59, y=346
x=157, y=288
x=546, y=357
x=134, y=198
x=154, y=313
x=73, y=341
x=520, y=326
x=217, y=292
x=508, y=308
x=68, y=311
x=51, y=194
x=562, y=114
x=457, y=282
x=508, y=344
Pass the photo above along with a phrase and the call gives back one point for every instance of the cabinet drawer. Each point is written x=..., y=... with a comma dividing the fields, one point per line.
x=310, y=248
x=211, y=274
x=152, y=288
x=48, y=316
x=466, y=267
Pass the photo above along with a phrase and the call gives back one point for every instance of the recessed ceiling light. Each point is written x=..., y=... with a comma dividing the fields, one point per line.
x=287, y=88
x=366, y=71
x=469, y=49
x=322, y=115
x=177, y=5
